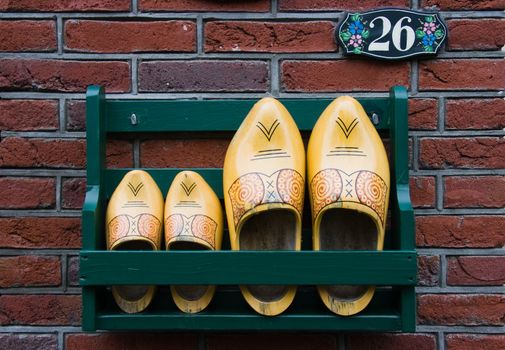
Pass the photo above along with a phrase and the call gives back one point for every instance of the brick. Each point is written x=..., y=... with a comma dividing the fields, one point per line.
x=40, y=232
x=476, y=271
x=331, y=5
x=63, y=75
x=160, y=76
x=183, y=153
x=460, y=231
x=475, y=114
x=423, y=114
x=129, y=36
x=29, y=271
x=17, y=152
x=248, y=36
x=26, y=35
x=64, y=5
x=462, y=74
x=458, y=152
x=40, y=310
x=465, y=4
x=390, y=341
x=119, y=154
x=131, y=341
x=343, y=75
x=76, y=115
x=20, y=341
x=204, y=5
x=474, y=34
x=464, y=310
x=73, y=271
x=428, y=273
x=292, y=341
x=27, y=193
x=28, y=115
x=72, y=193
x=474, y=192
x=475, y=341
x=423, y=191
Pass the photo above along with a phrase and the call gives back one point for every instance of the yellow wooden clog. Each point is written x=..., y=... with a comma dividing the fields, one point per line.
x=263, y=178
x=134, y=222
x=193, y=221
x=348, y=175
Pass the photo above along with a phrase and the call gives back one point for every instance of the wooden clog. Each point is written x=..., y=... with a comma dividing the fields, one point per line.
x=193, y=221
x=348, y=175
x=263, y=178
x=134, y=222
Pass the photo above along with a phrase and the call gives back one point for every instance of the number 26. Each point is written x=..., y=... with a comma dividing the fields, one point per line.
x=396, y=35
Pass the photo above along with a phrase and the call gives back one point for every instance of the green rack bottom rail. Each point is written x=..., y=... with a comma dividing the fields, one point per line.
x=393, y=270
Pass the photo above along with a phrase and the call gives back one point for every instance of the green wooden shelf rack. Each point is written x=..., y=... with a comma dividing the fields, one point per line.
x=393, y=270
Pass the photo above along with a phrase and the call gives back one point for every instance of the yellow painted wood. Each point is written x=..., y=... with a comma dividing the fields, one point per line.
x=194, y=217
x=348, y=170
x=134, y=222
x=264, y=170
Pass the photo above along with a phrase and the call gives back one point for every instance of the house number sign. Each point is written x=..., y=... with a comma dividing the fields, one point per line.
x=392, y=34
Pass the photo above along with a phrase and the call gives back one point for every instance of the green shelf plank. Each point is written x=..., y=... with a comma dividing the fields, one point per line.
x=248, y=267
x=228, y=322
x=228, y=311
x=214, y=115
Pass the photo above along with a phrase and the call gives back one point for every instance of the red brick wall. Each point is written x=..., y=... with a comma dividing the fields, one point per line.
x=51, y=50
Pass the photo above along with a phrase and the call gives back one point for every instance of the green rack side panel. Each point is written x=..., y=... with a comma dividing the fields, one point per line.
x=393, y=271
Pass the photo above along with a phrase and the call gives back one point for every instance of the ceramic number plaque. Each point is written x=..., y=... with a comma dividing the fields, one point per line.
x=392, y=34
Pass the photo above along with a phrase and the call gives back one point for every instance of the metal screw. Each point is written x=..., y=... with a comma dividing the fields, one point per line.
x=133, y=119
x=375, y=118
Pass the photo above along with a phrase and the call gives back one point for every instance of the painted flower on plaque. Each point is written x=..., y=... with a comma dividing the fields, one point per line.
x=356, y=34
x=355, y=40
x=431, y=33
x=356, y=27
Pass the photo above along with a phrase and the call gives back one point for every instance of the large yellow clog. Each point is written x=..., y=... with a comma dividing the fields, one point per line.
x=263, y=178
x=348, y=176
x=193, y=221
x=134, y=222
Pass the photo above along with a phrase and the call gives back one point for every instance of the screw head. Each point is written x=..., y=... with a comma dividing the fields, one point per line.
x=133, y=119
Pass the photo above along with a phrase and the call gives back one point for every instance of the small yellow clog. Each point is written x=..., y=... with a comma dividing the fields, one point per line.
x=193, y=221
x=348, y=176
x=263, y=179
x=134, y=222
